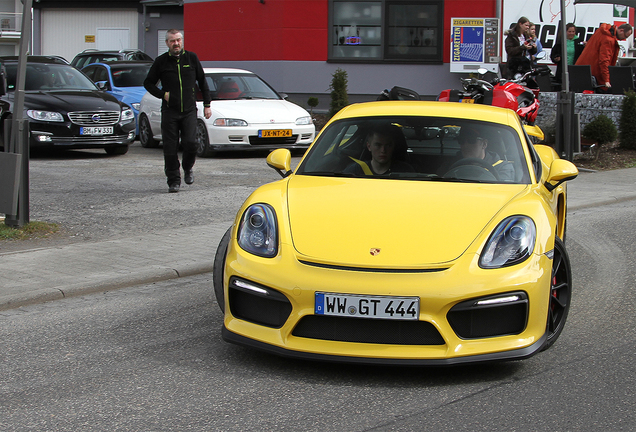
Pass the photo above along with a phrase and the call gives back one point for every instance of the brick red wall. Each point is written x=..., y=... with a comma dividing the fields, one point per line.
x=292, y=30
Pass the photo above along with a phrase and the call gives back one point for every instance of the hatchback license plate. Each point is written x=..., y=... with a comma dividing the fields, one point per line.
x=96, y=130
x=274, y=133
x=366, y=306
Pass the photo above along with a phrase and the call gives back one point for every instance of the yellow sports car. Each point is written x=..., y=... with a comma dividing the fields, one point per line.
x=411, y=233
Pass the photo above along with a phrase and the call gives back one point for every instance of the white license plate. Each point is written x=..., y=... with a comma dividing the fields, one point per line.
x=96, y=130
x=366, y=306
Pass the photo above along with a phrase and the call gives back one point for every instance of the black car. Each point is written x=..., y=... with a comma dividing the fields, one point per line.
x=66, y=110
x=89, y=56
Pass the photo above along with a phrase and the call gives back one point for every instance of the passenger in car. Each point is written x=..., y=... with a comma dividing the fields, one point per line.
x=383, y=145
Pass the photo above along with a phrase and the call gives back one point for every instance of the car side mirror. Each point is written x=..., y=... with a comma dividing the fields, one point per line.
x=103, y=85
x=561, y=170
x=280, y=160
x=534, y=131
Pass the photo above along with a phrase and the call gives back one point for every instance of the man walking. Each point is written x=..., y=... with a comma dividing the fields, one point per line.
x=178, y=70
x=601, y=51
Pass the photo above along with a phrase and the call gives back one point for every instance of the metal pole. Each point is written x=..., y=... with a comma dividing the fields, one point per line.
x=565, y=102
x=20, y=128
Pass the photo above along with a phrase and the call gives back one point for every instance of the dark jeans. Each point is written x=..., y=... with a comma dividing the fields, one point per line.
x=173, y=123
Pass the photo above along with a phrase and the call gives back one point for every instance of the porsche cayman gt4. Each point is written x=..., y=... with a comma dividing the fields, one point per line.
x=413, y=233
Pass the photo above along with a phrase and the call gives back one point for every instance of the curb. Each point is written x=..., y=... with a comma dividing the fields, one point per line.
x=115, y=282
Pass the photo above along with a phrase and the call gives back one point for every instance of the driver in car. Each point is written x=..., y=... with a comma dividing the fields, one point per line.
x=473, y=148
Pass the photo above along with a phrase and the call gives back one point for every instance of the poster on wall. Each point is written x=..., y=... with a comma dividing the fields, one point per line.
x=475, y=44
x=546, y=16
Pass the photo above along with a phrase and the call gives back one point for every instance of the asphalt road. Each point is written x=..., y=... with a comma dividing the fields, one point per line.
x=151, y=358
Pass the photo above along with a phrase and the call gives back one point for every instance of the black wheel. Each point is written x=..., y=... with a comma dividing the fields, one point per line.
x=471, y=168
x=145, y=133
x=560, y=293
x=117, y=150
x=203, y=141
x=218, y=269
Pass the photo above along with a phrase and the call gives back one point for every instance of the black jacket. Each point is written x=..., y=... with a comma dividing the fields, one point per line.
x=556, y=52
x=178, y=75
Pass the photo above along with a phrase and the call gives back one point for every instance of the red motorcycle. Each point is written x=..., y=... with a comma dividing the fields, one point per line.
x=512, y=94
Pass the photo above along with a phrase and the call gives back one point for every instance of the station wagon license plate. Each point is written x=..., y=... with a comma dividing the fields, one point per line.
x=278, y=133
x=367, y=306
x=96, y=130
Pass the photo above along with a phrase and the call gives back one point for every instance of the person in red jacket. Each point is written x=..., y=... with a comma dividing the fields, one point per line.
x=601, y=51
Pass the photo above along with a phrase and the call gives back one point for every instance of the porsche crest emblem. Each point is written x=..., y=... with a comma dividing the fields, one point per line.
x=374, y=251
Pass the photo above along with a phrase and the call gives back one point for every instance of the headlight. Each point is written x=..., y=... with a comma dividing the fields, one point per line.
x=303, y=121
x=136, y=106
x=511, y=243
x=127, y=114
x=229, y=122
x=50, y=116
x=258, y=231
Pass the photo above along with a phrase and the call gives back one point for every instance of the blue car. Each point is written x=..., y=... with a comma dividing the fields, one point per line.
x=122, y=79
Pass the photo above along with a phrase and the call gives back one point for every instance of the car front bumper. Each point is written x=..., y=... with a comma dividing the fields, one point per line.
x=68, y=136
x=247, y=138
x=439, y=291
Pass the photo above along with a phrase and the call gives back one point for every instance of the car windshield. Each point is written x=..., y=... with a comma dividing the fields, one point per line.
x=418, y=148
x=130, y=75
x=239, y=86
x=40, y=76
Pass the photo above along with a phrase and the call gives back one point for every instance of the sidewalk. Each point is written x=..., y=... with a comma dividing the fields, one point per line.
x=53, y=273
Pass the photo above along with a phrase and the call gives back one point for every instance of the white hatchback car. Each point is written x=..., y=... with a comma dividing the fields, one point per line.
x=247, y=114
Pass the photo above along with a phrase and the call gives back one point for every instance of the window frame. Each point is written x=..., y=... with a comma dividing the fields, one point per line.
x=384, y=57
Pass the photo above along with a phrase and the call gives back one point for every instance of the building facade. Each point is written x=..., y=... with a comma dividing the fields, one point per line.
x=297, y=45
x=65, y=28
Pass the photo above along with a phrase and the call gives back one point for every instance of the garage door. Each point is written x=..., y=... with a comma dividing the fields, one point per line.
x=67, y=32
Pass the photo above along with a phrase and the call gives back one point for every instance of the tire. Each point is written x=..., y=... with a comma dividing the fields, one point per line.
x=145, y=133
x=117, y=150
x=218, y=269
x=203, y=141
x=560, y=293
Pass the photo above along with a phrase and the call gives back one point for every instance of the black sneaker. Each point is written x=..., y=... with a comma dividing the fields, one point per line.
x=174, y=187
x=189, y=177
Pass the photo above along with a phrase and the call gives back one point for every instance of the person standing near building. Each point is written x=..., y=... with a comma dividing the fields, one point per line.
x=519, y=48
x=601, y=51
x=533, y=34
x=574, y=47
x=178, y=71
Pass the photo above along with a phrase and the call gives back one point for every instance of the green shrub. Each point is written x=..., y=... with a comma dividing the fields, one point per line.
x=627, y=122
x=338, y=87
x=313, y=103
x=602, y=130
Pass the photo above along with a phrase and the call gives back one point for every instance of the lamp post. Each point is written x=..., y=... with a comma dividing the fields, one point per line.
x=19, y=140
x=565, y=100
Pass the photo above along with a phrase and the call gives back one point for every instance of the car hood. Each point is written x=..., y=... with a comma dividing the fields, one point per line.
x=258, y=111
x=66, y=100
x=413, y=224
x=135, y=93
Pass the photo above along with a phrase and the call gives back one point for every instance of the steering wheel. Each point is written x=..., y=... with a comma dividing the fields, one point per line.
x=472, y=169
